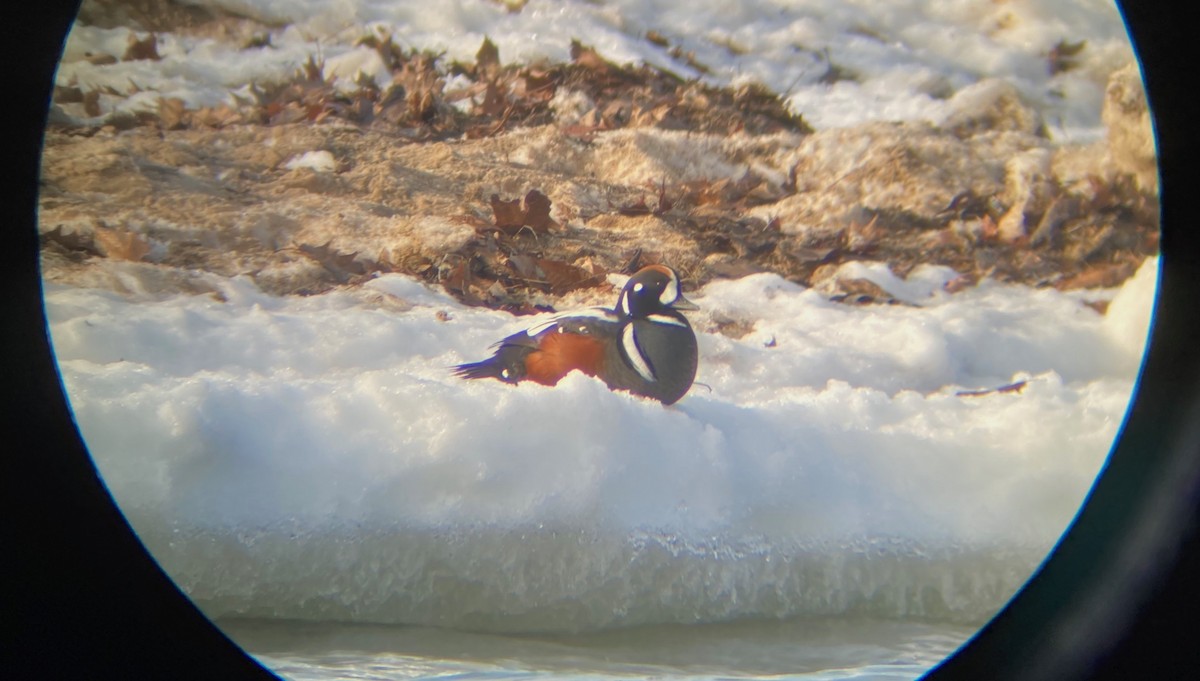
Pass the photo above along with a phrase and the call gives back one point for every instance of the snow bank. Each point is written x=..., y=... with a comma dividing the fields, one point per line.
x=314, y=458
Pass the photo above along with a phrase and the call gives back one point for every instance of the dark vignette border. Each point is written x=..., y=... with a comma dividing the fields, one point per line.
x=1116, y=600
x=82, y=599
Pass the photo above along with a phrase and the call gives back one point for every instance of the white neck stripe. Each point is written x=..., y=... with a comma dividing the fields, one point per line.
x=664, y=319
x=671, y=293
x=634, y=354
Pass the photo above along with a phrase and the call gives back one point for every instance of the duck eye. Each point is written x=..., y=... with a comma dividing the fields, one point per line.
x=637, y=288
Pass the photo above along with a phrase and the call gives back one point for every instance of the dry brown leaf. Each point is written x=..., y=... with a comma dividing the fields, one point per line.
x=508, y=214
x=1060, y=210
x=537, y=212
x=459, y=280
x=585, y=133
x=495, y=100
x=384, y=262
x=1010, y=388
x=960, y=283
x=67, y=95
x=512, y=6
x=863, y=290
x=688, y=58
x=941, y=238
x=313, y=69
x=860, y=238
x=91, y=103
x=657, y=38
x=282, y=114
x=732, y=327
x=71, y=241
x=423, y=87
x=121, y=244
x=138, y=50
x=1097, y=276
x=735, y=269
x=341, y=265
x=564, y=277
x=989, y=230
x=642, y=117
x=588, y=58
x=540, y=84
x=216, y=117
x=1062, y=56
x=526, y=267
x=487, y=59
x=635, y=209
x=171, y=113
x=101, y=59
x=510, y=217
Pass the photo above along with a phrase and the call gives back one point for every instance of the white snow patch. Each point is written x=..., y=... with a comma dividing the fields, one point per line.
x=319, y=161
x=361, y=63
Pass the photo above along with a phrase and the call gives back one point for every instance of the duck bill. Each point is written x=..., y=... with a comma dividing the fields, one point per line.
x=682, y=303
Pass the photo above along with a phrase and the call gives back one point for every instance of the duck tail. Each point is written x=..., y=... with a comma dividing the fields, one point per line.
x=488, y=368
x=508, y=365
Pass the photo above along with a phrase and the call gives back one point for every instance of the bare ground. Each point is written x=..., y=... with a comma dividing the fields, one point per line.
x=553, y=176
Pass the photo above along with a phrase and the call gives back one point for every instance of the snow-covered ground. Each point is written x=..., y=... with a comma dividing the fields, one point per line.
x=314, y=456
x=899, y=60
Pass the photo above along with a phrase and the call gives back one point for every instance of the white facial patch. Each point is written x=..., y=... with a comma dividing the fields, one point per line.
x=671, y=293
x=634, y=353
x=664, y=319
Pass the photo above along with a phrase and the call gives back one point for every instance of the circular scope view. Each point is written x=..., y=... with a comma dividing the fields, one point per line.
x=599, y=338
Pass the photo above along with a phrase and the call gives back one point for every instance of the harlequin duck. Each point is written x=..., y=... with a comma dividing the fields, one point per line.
x=644, y=345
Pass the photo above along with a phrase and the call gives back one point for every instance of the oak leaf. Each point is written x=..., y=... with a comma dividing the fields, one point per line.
x=171, y=113
x=1097, y=276
x=341, y=265
x=656, y=38
x=560, y=276
x=589, y=59
x=121, y=244
x=1062, y=56
x=635, y=209
x=511, y=217
x=487, y=59
x=138, y=50
x=71, y=241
